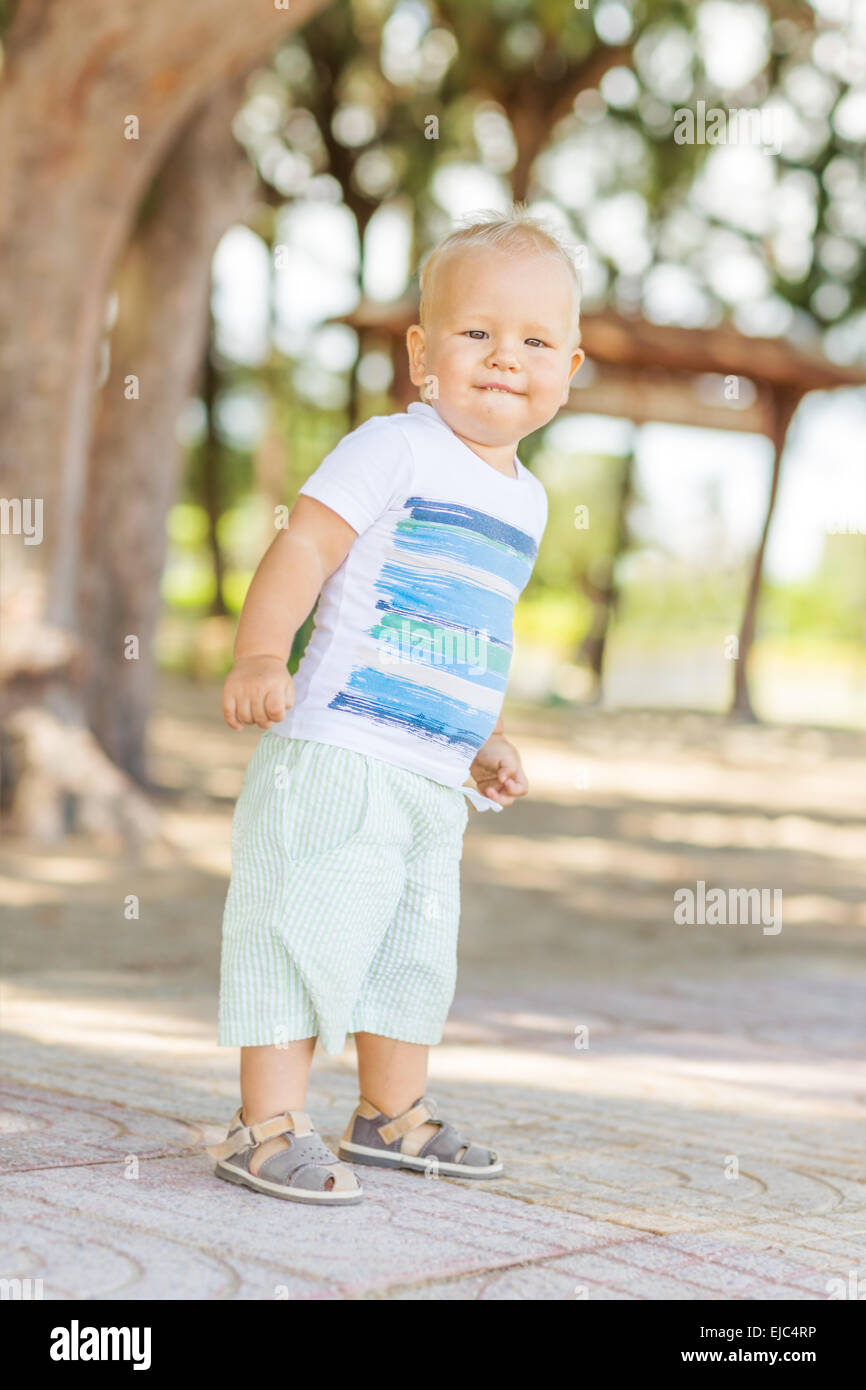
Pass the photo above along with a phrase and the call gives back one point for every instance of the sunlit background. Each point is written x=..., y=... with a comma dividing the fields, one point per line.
x=768, y=237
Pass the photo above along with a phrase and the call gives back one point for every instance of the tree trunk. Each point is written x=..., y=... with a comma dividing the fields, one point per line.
x=93, y=97
x=160, y=338
x=606, y=597
x=210, y=467
x=785, y=402
x=531, y=127
x=76, y=78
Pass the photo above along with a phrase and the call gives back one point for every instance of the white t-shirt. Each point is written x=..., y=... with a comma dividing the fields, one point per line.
x=409, y=657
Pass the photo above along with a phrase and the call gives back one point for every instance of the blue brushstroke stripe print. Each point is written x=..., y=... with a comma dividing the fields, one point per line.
x=482, y=524
x=387, y=699
x=470, y=567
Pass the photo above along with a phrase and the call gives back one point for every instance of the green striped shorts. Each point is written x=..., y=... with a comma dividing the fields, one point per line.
x=344, y=901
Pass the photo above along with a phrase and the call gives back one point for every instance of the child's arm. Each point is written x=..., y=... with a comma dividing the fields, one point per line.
x=259, y=689
x=497, y=769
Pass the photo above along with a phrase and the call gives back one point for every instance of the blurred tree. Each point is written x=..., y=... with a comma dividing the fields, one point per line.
x=600, y=582
x=211, y=490
x=163, y=286
x=785, y=403
x=91, y=102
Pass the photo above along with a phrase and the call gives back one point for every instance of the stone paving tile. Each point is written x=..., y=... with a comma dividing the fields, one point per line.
x=730, y=1271
x=78, y=1260
x=177, y=1228
x=826, y=1226
x=794, y=1273
x=658, y=1183
x=543, y=1281
x=44, y=1130
x=169, y=1235
x=835, y=1254
x=651, y=1268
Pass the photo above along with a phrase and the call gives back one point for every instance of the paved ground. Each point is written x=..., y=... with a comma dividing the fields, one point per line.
x=681, y=1108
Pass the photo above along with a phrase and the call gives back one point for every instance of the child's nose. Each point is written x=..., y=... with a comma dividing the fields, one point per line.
x=503, y=354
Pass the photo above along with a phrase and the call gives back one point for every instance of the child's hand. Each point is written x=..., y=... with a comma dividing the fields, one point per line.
x=497, y=771
x=257, y=690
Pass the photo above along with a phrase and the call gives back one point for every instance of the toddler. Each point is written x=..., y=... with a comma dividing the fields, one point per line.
x=419, y=530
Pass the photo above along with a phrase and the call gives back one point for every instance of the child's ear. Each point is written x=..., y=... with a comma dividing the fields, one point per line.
x=415, y=346
x=577, y=360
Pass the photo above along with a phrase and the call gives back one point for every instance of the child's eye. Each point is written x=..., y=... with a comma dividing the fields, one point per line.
x=481, y=333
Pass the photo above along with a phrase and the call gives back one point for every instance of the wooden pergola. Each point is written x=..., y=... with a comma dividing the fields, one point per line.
x=645, y=371
x=712, y=378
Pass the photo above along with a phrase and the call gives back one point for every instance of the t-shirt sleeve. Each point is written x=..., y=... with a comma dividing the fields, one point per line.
x=363, y=474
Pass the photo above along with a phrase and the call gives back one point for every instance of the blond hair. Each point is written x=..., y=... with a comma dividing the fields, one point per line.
x=519, y=231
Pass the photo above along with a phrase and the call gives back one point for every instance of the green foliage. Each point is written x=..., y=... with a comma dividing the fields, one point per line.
x=299, y=645
x=188, y=583
x=188, y=525
x=829, y=606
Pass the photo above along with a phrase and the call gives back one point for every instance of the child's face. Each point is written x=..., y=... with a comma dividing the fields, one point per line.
x=497, y=318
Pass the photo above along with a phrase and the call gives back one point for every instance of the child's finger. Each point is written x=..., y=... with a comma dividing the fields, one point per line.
x=257, y=709
x=509, y=774
x=499, y=791
x=243, y=708
x=230, y=713
x=515, y=783
x=275, y=704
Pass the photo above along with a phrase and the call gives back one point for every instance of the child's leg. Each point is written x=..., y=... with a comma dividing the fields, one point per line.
x=274, y=1079
x=409, y=985
x=392, y=1075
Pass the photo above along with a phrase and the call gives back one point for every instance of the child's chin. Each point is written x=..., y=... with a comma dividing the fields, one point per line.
x=493, y=405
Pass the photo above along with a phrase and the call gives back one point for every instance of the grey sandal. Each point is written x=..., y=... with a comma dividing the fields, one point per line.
x=306, y=1171
x=387, y=1142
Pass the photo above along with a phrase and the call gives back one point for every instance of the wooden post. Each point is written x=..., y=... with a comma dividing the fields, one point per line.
x=784, y=403
x=605, y=598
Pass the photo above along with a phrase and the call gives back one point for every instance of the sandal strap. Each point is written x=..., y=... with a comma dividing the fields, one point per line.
x=418, y=1114
x=306, y=1156
x=447, y=1142
x=297, y=1122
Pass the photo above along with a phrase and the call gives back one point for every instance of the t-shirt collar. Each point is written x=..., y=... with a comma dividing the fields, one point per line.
x=423, y=408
